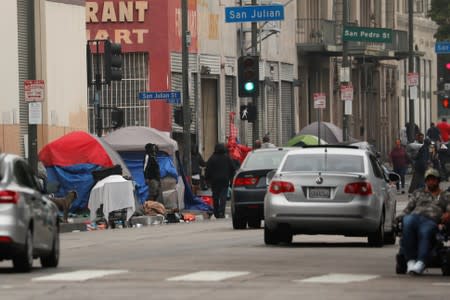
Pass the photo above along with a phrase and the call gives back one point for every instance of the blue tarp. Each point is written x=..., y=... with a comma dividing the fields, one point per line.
x=76, y=177
x=135, y=163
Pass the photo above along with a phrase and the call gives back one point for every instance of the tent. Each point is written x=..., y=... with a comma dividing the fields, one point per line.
x=70, y=160
x=328, y=132
x=130, y=142
x=305, y=139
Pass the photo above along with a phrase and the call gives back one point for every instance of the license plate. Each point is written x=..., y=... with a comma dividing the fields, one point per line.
x=319, y=193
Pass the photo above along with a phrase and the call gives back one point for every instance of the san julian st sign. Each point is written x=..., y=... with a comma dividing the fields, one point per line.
x=254, y=13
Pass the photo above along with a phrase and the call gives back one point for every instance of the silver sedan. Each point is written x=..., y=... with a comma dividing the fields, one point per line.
x=330, y=190
x=29, y=226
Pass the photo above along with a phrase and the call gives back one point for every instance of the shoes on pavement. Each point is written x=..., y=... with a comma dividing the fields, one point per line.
x=410, y=265
x=418, y=268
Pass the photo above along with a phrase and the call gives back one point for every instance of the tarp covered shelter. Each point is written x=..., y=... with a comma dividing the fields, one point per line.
x=130, y=143
x=70, y=160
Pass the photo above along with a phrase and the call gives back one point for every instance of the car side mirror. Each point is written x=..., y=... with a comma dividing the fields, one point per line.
x=394, y=177
x=269, y=176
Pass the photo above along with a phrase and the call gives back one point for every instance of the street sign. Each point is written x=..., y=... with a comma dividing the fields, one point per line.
x=413, y=79
x=34, y=113
x=367, y=34
x=254, y=13
x=347, y=92
x=170, y=97
x=34, y=90
x=442, y=47
x=320, y=100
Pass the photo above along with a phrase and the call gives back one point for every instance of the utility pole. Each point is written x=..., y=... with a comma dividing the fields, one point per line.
x=185, y=35
x=411, y=128
x=347, y=70
x=255, y=53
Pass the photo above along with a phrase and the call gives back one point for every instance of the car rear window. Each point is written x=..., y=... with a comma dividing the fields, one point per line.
x=322, y=162
x=259, y=160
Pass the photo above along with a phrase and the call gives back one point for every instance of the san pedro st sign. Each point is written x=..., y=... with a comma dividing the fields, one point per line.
x=367, y=34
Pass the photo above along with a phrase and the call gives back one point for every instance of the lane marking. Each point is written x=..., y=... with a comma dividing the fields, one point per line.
x=81, y=275
x=441, y=283
x=6, y=286
x=338, y=278
x=207, y=276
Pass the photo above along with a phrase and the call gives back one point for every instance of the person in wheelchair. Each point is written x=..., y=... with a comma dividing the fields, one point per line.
x=427, y=209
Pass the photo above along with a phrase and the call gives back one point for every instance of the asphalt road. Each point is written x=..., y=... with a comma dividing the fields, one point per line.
x=209, y=259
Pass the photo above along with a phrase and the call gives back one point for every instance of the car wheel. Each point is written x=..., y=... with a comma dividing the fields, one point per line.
x=286, y=236
x=52, y=259
x=270, y=236
x=389, y=238
x=376, y=239
x=239, y=222
x=23, y=261
x=254, y=222
x=400, y=266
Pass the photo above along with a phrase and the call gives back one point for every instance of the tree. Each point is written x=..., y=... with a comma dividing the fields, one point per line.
x=440, y=13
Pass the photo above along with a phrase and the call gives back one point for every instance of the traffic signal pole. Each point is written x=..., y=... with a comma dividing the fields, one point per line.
x=185, y=78
x=411, y=128
x=345, y=65
x=255, y=53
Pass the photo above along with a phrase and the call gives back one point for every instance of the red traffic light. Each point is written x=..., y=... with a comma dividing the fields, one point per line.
x=445, y=102
x=447, y=66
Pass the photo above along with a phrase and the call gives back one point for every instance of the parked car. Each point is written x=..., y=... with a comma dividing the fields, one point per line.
x=250, y=186
x=29, y=226
x=330, y=190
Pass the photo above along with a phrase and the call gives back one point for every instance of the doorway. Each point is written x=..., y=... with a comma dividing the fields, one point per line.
x=209, y=102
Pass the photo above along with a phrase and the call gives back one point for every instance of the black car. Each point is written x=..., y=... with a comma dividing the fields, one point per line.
x=250, y=185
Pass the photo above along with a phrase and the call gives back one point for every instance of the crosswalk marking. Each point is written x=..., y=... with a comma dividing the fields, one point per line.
x=338, y=278
x=81, y=275
x=208, y=276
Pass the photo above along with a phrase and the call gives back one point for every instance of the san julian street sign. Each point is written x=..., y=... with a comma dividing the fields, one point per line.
x=442, y=47
x=254, y=13
x=367, y=34
x=171, y=97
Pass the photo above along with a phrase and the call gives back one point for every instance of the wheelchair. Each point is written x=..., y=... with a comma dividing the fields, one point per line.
x=439, y=257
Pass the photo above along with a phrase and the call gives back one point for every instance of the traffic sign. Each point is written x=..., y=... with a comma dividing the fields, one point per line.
x=413, y=79
x=347, y=92
x=34, y=90
x=442, y=47
x=170, y=97
x=254, y=13
x=367, y=34
x=320, y=100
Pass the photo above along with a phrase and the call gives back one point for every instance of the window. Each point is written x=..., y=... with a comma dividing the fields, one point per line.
x=376, y=167
x=324, y=162
x=264, y=160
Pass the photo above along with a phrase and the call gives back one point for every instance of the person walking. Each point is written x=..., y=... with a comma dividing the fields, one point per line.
x=152, y=173
x=266, y=142
x=444, y=129
x=420, y=163
x=427, y=207
x=434, y=134
x=219, y=174
x=399, y=160
x=197, y=163
x=257, y=145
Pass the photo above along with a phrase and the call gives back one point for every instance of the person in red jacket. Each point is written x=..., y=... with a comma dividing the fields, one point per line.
x=399, y=160
x=444, y=128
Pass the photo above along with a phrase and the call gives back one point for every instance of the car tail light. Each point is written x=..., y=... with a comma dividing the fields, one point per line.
x=278, y=187
x=5, y=239
x=360, y=188
x=245, y=181
x=9, y=197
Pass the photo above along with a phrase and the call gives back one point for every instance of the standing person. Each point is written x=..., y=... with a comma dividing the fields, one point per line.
x=399, y=160
x=444, y=129
x=266, y=142
x=420, y=163
x=412, y=133
x=433, y=133
x=257, y=145
x=197, y=163
x=427, y=207
x=152, y=173
x=219, y=174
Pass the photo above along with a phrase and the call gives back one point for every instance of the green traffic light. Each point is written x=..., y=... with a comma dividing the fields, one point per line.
x=249, y=86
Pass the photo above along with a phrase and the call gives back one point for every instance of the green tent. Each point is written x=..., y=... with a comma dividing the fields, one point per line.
x=305, y=139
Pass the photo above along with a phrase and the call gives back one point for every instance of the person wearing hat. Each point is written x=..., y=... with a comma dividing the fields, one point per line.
x=427, y=207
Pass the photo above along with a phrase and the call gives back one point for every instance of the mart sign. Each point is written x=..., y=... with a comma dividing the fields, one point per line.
x=367, y=34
